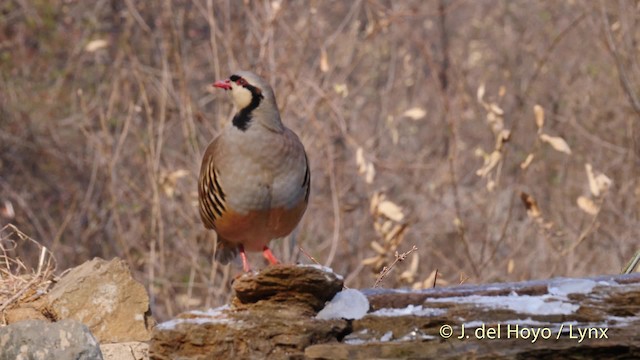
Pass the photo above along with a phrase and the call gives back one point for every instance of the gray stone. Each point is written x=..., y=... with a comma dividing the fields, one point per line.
x=42, y=340
x=133, y=350
x=104, y=296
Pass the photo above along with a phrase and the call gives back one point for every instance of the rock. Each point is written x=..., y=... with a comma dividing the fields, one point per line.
x=23, y=313
x=125, y=351
x=104, y=296
x=37, y=339
x=306, y=286
x=271, y=317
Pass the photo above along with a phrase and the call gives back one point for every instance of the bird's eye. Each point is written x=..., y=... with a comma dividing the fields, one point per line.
x=241, y=82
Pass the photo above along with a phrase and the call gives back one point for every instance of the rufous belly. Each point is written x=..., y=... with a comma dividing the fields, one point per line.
x=254, y=229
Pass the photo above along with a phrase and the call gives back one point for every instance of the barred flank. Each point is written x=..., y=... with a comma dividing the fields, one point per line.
x=211, y=196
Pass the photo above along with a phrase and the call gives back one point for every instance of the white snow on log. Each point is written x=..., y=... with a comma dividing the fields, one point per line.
x=527, y=304
x=416, y=334
x=411, y=310
x=214, y=312
x=211, y=316
x=387, y=336
x=347, y=304
x=564, y=287
x=322, y=268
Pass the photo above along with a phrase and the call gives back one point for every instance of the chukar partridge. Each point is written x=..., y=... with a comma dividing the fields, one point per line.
x=254, y=179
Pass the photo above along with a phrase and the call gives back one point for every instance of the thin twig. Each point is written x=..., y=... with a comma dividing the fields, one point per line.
x=308, y=255
x=435, y=278
x=387, y=269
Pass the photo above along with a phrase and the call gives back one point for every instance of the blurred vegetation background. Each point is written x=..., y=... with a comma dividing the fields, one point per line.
x=497, y=137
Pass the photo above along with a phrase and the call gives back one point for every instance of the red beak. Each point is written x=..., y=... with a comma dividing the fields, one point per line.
x=223, y=84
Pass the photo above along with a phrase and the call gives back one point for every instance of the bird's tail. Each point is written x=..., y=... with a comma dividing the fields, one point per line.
x=225, y=252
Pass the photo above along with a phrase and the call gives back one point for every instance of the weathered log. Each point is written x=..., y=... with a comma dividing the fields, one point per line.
x=557, y=318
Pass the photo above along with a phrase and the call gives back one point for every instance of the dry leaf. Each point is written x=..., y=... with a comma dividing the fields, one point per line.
x=502, y=138
x=531, y=205
x=615, y=26
x=502, y=91
x=324, y=61
x=491, y=185
x=378, y=248
x=539, y=112
x=415, y=113
x=393, y=130
x=276, y=5
x=598, y=184
x=96, y=45
x=187, y=301
x=375, y=200
x=386, y=227
x=391, y=210
x=169, y=181
x=587, y=205
x=370, y=261
x=592, y=180
x=557, y=143
x=341, y=89
x=525, y=164
x=496, y=109
x=510, y=266
x=496, y=122
x=603, y=182
x=428, y=283
x=360, y=157
x=392, y=232
x=178, y=174
x=489, y=163
x=7, y=210
x=369, y=173
x=480, y=94
x=365, y=167
x=377, y=227
x=409, y=274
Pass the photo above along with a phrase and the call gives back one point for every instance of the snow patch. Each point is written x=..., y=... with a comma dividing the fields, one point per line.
x=211, y=316
x=387, y=336
x=411, y=310
x=539, y=305
x=322, y=268
x=347, y=304
x=210, y=312
x=564, y=287
x=355, y=341
x=416, y=334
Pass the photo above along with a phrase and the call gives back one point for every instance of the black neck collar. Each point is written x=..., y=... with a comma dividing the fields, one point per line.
x=242, y=120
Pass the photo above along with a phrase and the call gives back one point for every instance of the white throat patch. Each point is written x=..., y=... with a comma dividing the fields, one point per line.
x=241, y=96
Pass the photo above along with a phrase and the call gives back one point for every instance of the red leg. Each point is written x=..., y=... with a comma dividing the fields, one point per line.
x=243, y=256
x=269, y=256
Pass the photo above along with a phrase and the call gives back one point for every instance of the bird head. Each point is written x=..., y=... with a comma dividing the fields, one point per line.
x=246, y=88
x=252, y=95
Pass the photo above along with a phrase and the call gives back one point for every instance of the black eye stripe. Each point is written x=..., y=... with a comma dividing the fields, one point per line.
x=239, y=80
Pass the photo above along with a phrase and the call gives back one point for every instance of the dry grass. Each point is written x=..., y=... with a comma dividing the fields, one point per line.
x=106, y=107
x=22, y=282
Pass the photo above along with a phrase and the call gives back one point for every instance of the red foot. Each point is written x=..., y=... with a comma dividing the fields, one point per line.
x=245, y=263
x=269, y=256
